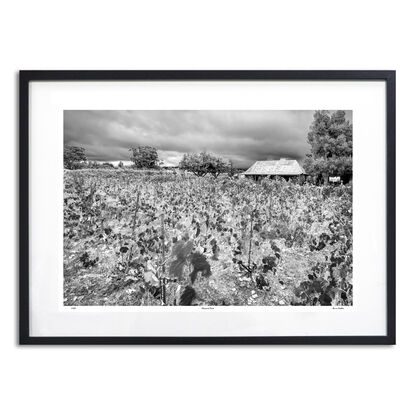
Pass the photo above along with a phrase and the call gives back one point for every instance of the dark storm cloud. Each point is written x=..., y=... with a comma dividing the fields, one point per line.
x=242, y=136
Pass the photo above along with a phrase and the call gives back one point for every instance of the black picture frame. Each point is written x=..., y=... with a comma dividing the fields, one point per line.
x=26, y=77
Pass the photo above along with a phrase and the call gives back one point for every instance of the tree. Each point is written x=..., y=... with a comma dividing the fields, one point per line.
x=144, y=157
x=107, y=165
x=92, y=165
x=73, y=157
x=203, y=163
x=331, y=140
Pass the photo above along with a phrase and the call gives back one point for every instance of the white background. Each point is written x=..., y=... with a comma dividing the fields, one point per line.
x=209, y=35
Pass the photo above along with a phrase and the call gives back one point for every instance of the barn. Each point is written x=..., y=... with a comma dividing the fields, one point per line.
x=272, y=168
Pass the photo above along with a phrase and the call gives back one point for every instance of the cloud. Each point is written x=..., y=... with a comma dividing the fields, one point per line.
x=242, y=136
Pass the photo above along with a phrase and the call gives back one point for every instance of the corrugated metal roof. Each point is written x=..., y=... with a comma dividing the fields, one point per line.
x=282, y=167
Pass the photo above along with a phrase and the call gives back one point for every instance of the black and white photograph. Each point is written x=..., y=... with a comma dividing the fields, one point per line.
x=208, y=208
x=205, y=208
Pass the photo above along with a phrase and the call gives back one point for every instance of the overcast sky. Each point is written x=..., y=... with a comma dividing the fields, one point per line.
x=241, y=136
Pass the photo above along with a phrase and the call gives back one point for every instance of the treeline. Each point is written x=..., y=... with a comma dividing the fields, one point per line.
x=75, y=159
x=146, y=158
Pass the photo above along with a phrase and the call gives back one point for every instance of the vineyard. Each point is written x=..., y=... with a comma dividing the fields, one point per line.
x=139, y=238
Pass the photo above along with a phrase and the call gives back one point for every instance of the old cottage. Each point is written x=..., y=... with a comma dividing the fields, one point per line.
x=272, y=168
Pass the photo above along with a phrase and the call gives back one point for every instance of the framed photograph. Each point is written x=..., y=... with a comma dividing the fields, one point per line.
x=207, y=207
